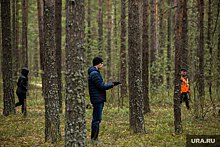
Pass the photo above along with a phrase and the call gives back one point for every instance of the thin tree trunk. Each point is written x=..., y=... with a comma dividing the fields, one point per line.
x=218, y=63
x=75, y=124
x=58, y=39
x=25, y=41
x=109, y=43
x=201, y=55
x=184, y=36
x=24, y=33
x=9, y=99
x=145, y=57
x=52, y=118
x=209, y=43
x=35, y=54
x=17, y=61
x=153, y=46
x=123, y=51
x=89, y=63
x=13, y=38
x=161, y=44
x=169, y=48
x=136, y=115
x=177, y=83
x=100, y=30
x=41, y=37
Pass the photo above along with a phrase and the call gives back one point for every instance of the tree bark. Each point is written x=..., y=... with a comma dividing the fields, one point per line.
x=100, y=30
x=35, y=55
x=24, y=33
x=52, y=118
x=17, y=61
x=58, y=39
x=9, y=99
x=123, y=52
x=41, y=39
x=89, y=60
x=184, y=36
x=136, y=113
x=153, y=46
x=169, y=47
x=13, y=38
x=218, y=63
x=201, y=54
x=145, y=57
x=177, y=82
x=109, y=43
x=75, y=124
x=209, y=43
x=161, y=44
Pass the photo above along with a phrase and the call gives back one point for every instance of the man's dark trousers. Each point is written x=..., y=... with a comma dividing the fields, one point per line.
x=97, y=115
x=184, y=97
x=21, y=97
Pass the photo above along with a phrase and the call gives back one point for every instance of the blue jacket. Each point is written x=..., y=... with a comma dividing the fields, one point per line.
x=97, y=87
x=22, y=81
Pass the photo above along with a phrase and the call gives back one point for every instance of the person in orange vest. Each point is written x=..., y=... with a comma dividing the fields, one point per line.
x=185, y=88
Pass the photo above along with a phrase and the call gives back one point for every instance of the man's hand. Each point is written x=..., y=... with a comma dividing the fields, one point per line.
x=189, y=92
x=116, y=83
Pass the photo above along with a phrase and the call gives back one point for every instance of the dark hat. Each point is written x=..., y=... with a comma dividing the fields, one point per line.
x=97, y=60
x=183, y=69
x=25, y=71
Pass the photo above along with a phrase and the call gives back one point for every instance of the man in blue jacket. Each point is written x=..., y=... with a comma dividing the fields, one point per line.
x=97, y=92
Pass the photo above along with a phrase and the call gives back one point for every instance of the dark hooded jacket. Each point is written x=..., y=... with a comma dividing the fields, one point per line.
x=22, y=81
x=97, y=87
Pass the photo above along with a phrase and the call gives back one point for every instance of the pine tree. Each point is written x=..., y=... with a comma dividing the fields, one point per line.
x=58, y=39
x=136, y=112
x=177, y=82
x=75, y=124
x=52, y=118
x=145, y=57
x=9, y=99
x=123, y=51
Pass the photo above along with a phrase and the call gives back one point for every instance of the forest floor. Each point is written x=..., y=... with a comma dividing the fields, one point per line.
x=16, y=130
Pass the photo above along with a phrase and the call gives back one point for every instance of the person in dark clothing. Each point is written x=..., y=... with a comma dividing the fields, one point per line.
x=97, y=93
x=22, y=88
x=185, y=88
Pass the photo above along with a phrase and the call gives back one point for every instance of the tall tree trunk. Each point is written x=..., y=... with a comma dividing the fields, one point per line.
x=109, y=43
x=75, y=124
x=218, y=63
x=35, y=54
x=58, y=39
x=100, y=30
x=145, y=57
x=9, y=99
x=153, y=46
x=177, y=83
x=24, y=33
x=201, y=55
x=17, y=61
x=136, y=114
x=52, y=118
x=123, y=51
x=184, y=35
x=161, y=44
x=169, y=48
x=25, y=41
x=89, y=63
x=41, y=39
x=209, y=43
x=13, y=38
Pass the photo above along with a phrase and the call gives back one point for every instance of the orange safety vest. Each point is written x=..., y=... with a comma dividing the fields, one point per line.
x=184, y=84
